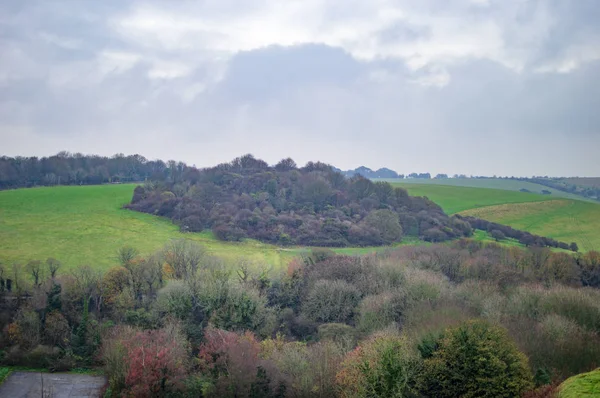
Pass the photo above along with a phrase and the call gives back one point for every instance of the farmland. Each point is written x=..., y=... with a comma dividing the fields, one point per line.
x=491, y=183
x=455, y=199
x=564, y=220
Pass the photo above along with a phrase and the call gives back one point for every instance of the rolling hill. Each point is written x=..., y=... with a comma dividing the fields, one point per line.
x=559, y=218
x=491, y=183
x=86, y=225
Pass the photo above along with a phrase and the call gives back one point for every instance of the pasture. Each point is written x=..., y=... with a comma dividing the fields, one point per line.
x=454, y=199
x=86, y=225
x=490, y=183
x=564, y=220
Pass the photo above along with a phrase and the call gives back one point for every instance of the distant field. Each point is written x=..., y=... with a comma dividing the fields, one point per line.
x=564, y=220
x=492, y=183
x=593, y=182
x=454, y=199
x=86, y=225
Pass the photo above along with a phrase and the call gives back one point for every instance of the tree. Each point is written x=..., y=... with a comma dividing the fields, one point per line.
x=573, y=247
x=476, y=359
x=331, y=301
x=590, y=269
x=386, y=223
x=36, y=270
x=56, y=329
x=156, y=362
x=184, y=257
x=53, y=266
x=126, y=254
x=497, y=235
x=383, y=366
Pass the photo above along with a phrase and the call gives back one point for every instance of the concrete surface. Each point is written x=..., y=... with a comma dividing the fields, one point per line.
x=53, y=385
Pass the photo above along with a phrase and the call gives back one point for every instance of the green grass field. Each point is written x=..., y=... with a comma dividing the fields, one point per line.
x=86, y=225
x=564, y=220
x=581, y=386
x=454, y=199
x=491, y=183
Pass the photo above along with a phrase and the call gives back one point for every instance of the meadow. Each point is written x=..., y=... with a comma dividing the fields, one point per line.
x=564, y=220
x=455, y=199
x=491, y=183
x=86, y=225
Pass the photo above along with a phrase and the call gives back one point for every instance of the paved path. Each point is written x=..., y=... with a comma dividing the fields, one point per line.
x=55, y=385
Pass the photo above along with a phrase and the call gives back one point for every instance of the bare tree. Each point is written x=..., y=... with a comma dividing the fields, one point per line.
x=184, y=257
x=36, y=270
x=53, y=266
x=87, y=283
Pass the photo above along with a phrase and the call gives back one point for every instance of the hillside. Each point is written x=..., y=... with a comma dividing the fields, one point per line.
x=87, y=224
x=581, y=385
x=454, y=199
x=491, y=183
x=564, y=220
x=285, y=204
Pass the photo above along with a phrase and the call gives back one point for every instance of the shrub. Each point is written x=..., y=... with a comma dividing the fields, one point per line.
x=590, y=269
x=382, y=366
x=331, y=301
x=476, y=359
x=145, y=363
x=379, y=311
x=338, y=333
x=57, y=330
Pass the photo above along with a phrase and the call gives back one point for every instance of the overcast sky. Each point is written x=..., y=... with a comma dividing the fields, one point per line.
x=507, y=87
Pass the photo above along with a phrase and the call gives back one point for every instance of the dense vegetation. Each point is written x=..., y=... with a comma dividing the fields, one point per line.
x=413, y=321
x=78, y=169
x=313, y=205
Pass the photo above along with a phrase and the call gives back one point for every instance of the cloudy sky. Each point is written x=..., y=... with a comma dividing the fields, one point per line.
x=507, y=87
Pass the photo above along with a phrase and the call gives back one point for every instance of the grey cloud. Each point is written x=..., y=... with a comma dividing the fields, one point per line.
x=70, y=79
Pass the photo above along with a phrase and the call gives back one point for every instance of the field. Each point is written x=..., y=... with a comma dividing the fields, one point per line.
x=564, y=220
x=86, y=225
x=454, y=199
x=491, y=183
x=593, y=182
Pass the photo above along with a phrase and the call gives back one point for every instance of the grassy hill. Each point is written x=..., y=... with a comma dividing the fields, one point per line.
x=562, y=219
x=581, y=385
x=491, y=183
x=455, y=199
x=86, y=225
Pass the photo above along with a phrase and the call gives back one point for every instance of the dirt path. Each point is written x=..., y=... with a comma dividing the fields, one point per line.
x=53, y=385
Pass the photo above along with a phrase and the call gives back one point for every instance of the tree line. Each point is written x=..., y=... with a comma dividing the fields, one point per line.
x=501, y=232
x=285, y=204
x=77, y=169
x=465, y=319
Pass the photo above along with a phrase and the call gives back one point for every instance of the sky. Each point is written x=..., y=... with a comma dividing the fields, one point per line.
x=482, y=87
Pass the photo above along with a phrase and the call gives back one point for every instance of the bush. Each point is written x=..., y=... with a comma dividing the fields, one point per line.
x=473, y=360
x=338, y=333
x=331, y=301
x=382, y=366
x=377, y=312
